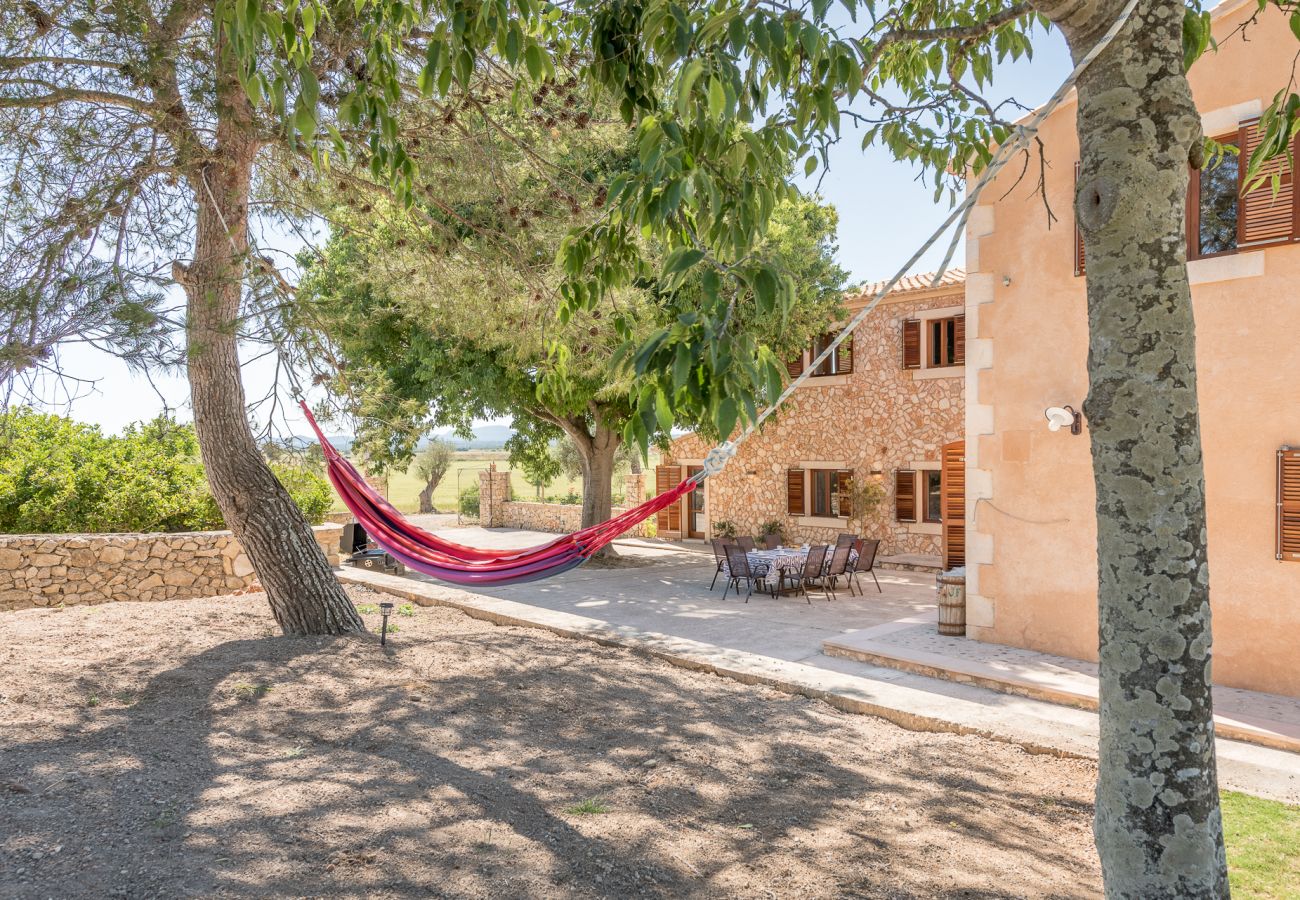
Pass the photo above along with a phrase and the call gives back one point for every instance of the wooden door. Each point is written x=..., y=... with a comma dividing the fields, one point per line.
x=695, y=520
x=668, y=524
x=952, y=494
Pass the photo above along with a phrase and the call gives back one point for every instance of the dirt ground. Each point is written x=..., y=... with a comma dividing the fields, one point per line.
x=185, y=749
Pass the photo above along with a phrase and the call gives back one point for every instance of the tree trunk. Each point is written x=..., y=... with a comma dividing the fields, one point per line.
x=1157, y=821
x=596, y=453
x=426, y=497
x=305, y=596
x=598, y=477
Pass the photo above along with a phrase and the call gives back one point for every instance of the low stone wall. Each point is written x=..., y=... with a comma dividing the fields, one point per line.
x=79, y=569
x=562, y=518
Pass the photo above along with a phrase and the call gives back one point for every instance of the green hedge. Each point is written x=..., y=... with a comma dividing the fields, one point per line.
x=57, y=475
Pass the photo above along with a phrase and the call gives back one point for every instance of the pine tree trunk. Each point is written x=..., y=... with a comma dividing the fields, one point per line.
x=305, y=596
x=1157, y=822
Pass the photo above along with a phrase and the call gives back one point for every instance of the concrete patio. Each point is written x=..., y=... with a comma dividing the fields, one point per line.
x=656, y=599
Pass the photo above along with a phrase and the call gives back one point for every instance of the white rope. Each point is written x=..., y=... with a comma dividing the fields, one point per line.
x=725, y=451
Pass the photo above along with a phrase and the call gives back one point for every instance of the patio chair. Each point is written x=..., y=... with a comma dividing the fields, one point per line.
x=739, y=569
x=813, y=571
x=719, y=557
x=845, y=540
x=838, y=568
x=771, y=541
x=746, y=543
x=866, y=562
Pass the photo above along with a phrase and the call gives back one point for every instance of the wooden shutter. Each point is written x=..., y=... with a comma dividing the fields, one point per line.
x=952, y=498
x=1288, y=504
x=1079, y=268
x=844, y=484
x=670, y=517
x=795, y=367
x=844, y=356
x=911, y=343
x=1263, y=218
x=794, y=492
x=905, y=495
x=959, y=341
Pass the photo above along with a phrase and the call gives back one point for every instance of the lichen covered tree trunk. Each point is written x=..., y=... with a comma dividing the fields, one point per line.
x=1157, y=821
x=305, y=596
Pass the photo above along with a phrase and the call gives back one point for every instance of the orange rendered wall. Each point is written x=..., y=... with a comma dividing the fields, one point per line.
x=1033, y=579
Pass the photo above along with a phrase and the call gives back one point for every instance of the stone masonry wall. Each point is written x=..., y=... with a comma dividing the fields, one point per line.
x=562, y=518
x=78, y=569
x=881, y=416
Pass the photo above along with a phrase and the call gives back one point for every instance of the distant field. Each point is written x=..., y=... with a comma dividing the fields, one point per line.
x=404, y=487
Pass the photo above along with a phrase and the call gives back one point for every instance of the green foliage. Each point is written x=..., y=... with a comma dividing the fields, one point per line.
x=57, y=475
x=308, y=488
x=725, y=528
x=774, y=526
x=469, y=501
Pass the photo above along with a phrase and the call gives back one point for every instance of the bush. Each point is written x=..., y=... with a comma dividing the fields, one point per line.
x=312, y=492
x=469, y=501
x=725, y=528
x=57, y=475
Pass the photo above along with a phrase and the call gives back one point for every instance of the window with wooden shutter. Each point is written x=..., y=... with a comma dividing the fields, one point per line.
x=905, y=495
x=959, y=341
x=1078, y=235
x=954, y=504
x=844, y=357
x=794, y=492
x=1288, y=504
x=911, y=343
x=668, y=519
x=795, y=367
x=1265, y=218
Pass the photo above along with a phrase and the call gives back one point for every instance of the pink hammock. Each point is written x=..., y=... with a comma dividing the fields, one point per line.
x=448, y=561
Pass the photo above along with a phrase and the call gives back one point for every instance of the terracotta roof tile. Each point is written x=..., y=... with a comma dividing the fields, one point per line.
x=921, y=281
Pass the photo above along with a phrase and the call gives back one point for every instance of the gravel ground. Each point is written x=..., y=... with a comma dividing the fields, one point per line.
x=186, y=749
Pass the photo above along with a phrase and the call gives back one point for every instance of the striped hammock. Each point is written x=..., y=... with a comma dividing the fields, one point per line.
x=446, y=560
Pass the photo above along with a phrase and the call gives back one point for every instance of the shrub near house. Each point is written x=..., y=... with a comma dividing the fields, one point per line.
x=61, y=476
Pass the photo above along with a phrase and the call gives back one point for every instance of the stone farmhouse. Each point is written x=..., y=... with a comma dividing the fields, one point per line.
x=942, y=399
x=1031, y=527
x=886, y=407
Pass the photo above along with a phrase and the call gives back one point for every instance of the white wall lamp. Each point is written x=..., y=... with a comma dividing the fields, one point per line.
x=1060, y=416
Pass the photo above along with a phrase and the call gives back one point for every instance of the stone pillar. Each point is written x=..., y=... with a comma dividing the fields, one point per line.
x=633, y=488
x=493, y=492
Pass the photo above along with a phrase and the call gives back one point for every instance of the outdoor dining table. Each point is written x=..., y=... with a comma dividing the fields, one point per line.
x=784, y=560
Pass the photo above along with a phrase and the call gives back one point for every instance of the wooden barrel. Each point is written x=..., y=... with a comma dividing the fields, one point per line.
x=952, y=605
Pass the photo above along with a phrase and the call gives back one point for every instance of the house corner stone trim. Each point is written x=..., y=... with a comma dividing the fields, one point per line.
x=980, y=294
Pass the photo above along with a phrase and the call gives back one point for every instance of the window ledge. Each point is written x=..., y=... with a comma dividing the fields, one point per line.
x=925, y=528
x=821, y=521
x=939, y=372
x=1228, y=267
x=825, y=381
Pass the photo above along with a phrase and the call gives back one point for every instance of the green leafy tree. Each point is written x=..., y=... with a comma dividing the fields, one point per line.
x=530, y=452
x=723, y=95
x=431, y=464
x=478, y=333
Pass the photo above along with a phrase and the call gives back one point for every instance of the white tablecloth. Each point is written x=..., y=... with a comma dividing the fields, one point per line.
x=791, y=559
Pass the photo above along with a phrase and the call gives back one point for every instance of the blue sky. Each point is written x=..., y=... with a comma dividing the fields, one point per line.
x=885, y=213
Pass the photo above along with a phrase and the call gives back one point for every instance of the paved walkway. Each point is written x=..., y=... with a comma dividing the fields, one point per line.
x=1268, y=719
x=657, y=600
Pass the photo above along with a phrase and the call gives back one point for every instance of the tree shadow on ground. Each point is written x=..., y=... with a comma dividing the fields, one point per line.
x=457, y=765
